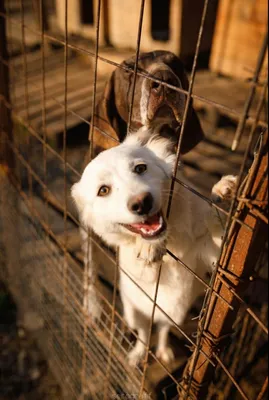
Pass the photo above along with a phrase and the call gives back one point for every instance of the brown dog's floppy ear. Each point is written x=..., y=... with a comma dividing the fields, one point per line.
x=107, y=121
x=193, y=133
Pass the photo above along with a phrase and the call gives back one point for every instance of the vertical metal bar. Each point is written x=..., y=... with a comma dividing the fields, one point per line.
x=26, y=94
x=25, y=67
x=141, y=390
x=253, y=130
x=44, y=96
x=236, y=355
x=259, y=334
x=139, y=35
x=89, y=274
x=42, y=27
x=12, y=79
x=232, y=379
x=187, y=106
x=41, y=12
x=264, y=390
x=136, y=62
x=10, y=51
x=95, y=76
x=6, y=155
x=254, y=82
x=9, y=198
x=112, y=329
x=65, y=266
x=90, y=243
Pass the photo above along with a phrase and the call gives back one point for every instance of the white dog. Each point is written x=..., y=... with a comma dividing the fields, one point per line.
x=122, y=196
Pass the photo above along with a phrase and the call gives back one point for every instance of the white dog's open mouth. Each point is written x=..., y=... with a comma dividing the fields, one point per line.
x=151, y=228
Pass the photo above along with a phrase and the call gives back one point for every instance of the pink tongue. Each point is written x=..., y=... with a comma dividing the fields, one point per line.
x=151, y=224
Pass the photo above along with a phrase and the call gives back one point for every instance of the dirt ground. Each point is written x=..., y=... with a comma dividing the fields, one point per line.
x=24, y=372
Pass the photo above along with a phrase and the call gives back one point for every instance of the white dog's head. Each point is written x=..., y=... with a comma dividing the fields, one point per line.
x=120, y=194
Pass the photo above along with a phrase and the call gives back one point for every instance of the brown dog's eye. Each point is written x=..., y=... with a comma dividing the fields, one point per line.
x=140, y=169
x=155, y=85
x=103, y=191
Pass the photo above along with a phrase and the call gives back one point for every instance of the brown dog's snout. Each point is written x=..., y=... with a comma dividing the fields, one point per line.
x=164, y=101
x=166, y=76
x=141, y=204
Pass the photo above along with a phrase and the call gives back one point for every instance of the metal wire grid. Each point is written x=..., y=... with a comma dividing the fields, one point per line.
x=72, y=337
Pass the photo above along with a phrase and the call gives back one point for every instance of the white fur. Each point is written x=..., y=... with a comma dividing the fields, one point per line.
x=193, y=235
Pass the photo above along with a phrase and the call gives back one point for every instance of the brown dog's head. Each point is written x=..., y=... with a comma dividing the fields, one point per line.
x=154, y=106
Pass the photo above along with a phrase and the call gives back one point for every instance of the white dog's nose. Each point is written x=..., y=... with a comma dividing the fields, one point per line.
x=141, y=204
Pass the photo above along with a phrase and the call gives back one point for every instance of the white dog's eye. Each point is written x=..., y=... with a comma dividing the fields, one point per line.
x=104, y=191
x=140, y=169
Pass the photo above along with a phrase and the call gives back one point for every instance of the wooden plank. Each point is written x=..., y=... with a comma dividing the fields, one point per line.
x=78, y=96
x=54, y=92
x=15, y=5
x=54, y=85
x=223, y=138
x=240, y=28
x=72, y=238
x=210, y=160
x=56, y=125
x=53, y=69
x=32, y=39
x=34, y=61
x=79, y=99
x=231, y=93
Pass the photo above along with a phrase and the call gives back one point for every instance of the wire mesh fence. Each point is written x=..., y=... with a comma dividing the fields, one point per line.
x=41, y=256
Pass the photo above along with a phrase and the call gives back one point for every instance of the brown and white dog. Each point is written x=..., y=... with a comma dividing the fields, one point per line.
x=155, y=106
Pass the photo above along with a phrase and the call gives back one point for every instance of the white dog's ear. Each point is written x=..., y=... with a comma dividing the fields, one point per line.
x=77, y=196
x=163, y=149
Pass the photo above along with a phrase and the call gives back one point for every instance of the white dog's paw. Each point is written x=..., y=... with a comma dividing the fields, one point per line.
x=136, y=356
x=224, y=190
x=166, y=355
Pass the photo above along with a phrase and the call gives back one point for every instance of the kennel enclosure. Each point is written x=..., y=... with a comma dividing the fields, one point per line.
x=41, y=258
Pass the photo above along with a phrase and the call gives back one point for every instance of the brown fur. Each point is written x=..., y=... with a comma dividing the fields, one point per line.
x=112, y=111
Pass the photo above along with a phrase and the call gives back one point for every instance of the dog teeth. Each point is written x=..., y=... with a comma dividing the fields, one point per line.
x=161, y=220
x=144, y=231
x=150, y=232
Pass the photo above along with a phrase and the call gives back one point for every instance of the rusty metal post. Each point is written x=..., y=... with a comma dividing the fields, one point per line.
x=236, y=266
